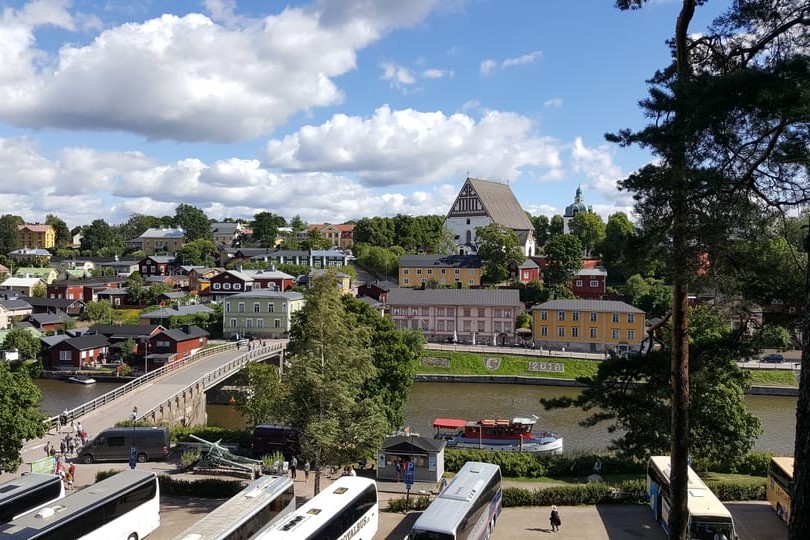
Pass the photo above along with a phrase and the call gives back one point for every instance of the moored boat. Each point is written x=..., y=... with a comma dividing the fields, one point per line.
x=82, y=380
x=507, y=435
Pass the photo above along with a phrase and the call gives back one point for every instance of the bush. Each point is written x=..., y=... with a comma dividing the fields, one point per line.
x=190, y=457
x=242, y=437
x=752, y=464
x=511, y=463
x=209, y=488
x=414, y=503
x=735, y=491
x=515, y=464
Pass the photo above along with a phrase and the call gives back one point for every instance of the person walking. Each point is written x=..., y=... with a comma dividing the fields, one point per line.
x=48, y=448
x=306, y=470
x=554, y=518
x=293, y=467
x=597, y=467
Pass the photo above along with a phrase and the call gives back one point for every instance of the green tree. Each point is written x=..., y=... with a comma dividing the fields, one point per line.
x=193, y=221
x=590, y=229
x=21, y=417
x=773, y=336
x=375, y=231
x=564, y=254
x=315, y=240
x=499, y=251
x=261, y=393
x=137, y=224
x=556, y=226
x=332, y=362
x=40, y=290
x=541, y=229
x=197, y=253
x=265, y=227
x=24, y=342
x=615, y=247
x=63, y=236
x=9, y=234
x=100, y=236
x=101, y=311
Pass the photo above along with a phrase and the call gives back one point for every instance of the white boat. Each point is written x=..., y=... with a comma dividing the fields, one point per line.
x=82, y=380
x=513, y=435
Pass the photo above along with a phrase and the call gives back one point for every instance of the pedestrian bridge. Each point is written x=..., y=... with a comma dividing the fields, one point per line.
x=171, y=394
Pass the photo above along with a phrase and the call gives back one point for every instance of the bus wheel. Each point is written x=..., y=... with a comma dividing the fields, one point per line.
x=133, y=536
x=141, y=458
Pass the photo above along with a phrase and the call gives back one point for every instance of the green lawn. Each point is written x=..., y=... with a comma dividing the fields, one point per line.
x=773, y=377
x=463, y=363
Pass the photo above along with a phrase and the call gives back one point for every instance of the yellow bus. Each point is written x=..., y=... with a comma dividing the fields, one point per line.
x=779, y=485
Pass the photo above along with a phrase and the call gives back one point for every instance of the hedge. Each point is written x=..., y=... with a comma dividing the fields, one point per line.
x=526, y=465
x=208, y=488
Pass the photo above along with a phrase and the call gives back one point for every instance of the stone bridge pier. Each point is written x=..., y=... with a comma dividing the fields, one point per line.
x=184, y=409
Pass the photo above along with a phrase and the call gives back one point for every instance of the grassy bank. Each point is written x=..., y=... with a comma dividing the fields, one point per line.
x=468, y=363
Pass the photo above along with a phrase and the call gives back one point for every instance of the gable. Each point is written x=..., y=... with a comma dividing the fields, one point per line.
x=467, y=203
x=484, y=198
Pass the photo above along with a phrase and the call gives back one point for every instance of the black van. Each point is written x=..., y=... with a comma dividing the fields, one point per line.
x=271, y=438
x=113, y=444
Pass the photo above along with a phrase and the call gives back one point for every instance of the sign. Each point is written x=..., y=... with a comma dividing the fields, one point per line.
x=44, y=466
x=133, y=457
x=554, y=367
x=409, y=474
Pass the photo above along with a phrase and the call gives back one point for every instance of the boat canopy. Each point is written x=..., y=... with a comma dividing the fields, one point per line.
x=449, y=423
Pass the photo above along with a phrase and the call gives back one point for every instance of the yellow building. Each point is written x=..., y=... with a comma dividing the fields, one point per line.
x=37, y=236
x=588, y=325
x=416, y=270
x=162, y=241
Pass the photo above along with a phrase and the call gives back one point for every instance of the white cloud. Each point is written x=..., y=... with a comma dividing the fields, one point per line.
x=488, y=66
x=189, y=77
x=434, y=73
x=555, y=103
x=408, y=146
x=597, y=165
x=398, y=76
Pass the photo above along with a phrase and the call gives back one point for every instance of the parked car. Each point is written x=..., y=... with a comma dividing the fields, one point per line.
x=774, y=358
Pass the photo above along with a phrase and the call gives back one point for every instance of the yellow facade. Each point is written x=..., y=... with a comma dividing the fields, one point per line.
x=415, y=276
x=37, y=236
x=153, y=246
x=588, y=325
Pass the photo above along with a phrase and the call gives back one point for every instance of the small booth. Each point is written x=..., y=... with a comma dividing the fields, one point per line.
x=427, y=455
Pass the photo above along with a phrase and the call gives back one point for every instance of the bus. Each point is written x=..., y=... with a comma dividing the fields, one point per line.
x=780, y=485
x=468, y=507
x=263, y=502
x=708, y=518
x=28, y=493
x=125, y=506
x=346, y=510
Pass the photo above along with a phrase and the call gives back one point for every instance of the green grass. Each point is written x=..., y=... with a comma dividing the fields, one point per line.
x=773, y=377
x=736, y=478
x=463, y=363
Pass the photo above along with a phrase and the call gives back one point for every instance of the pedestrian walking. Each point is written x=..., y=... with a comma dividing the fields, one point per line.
x=72, y=469
x=554, y=518
x=48, y=448
x=306, y=470
x=293, y=467
x=71, y=446
x=79, y=428
x=63, y=446
x=398, y=468
x=597, y=467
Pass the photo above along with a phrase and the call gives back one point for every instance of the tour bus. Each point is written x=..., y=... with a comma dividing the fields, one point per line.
x=347, y=509
x=28, y=493
x=468, y=507
x=780, y=485
x=708, y=518
x=263, y=502
x=124, y=506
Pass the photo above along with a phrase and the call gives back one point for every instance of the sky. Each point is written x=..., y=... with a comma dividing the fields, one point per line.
x=330, y=110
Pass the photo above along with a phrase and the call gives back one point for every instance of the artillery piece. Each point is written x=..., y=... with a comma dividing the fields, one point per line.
x=215, y=456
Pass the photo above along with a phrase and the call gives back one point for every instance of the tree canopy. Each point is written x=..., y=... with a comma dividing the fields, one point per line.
x=21, y=416
x=193, y=221
x=499, y=251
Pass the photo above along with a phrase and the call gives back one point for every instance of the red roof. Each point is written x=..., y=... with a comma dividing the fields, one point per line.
x=449, y=423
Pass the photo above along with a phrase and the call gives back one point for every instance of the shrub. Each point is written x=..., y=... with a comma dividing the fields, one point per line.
x=414, y=503
x=736, y=491
x=514, y=464
x=210, y=488
x=511, y=463
x=242, y=437
x=190, y=457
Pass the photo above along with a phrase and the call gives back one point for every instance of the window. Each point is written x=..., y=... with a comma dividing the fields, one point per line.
x=276, y=323
x=233, y=323
x=481, y=312
x=451, y=326
x=425, y=311
x=593, y=333
x=544, y=330
x=259, y=323
x=418, y=271
x=480, y=326
x=440, y=312
x=594, y=284
x=227, y=307
x=217, y=286
x=466, y=326
x=575, y=316
x=579, y=283
x=407, y=281
x=240, y=307
x=444, y=271
x=507, y=313
x=495, y=313
x=471, y=282
x=406, y=271
x=284, y=308
x=631, y=317
x=451, y=312
x=237, y=286
x=414, y=311
x=249, y=323
x=560, y=315
x=256, y=307
x=616, y=317
x=544, y=315
x=594, y=316
x=271, y=307
x=615, y=333
x=507, y=326
x=631, y=334
x=457, y=271
x=496, y=326
x=561, y=331
x=430, y=271
x=575, y=332
x=226, y=286
x=440, y=326
x=466, y=312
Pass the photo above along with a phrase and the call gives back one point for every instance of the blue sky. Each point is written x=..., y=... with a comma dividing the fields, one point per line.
x=331, y=110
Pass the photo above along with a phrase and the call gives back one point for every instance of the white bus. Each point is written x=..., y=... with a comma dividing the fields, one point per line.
x=708, y=517
x=263, y=502
x=346, y=510
x=28, y=493
x=467, y=508
x=122, y=507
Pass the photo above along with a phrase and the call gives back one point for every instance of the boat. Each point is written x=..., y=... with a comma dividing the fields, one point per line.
x=82, y=380
x=508, y=435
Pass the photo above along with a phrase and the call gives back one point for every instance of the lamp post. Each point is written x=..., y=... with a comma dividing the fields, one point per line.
x=133, y=451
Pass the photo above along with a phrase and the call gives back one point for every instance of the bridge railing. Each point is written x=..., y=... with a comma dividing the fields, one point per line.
x=112, y=395
x=211, y=378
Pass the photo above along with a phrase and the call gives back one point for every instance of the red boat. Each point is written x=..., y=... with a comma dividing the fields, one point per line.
x=513, y=435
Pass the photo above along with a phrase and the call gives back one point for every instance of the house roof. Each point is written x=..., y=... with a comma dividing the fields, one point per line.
x=50, y=341
x=185, y=333
x=49, y=318
x=423, y=443
x=382, y=284
x=592, y=272
x=166, y=312
x=58, y=303
x=267, y=274
x=163, y=233
x=35, y=228
x=501, y=204
x=131, y=330
x=226, y=228
x=16, y=304
x=33, y=271
x=22, y=281
x=610, y=306
x=35, y=252
x=114, y=291
x=268, y=293
x=440, y=261
x=160, y=259
x=88, y=341
x=454, y=297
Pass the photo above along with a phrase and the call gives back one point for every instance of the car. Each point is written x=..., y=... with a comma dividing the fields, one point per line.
x=774, y=358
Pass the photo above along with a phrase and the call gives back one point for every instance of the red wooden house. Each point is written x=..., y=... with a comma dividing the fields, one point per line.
x=79, y=352
x=173, y=345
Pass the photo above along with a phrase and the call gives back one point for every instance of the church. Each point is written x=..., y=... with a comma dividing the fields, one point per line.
x=481, y=202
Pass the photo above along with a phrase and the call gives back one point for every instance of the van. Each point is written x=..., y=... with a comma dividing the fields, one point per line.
x=271, y=438
x=113, y=444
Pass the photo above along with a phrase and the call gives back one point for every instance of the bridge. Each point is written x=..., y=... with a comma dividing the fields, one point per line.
x=172, y=394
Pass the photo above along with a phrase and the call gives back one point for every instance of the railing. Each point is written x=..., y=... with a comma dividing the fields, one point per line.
x=211, y=378
x=112, y=395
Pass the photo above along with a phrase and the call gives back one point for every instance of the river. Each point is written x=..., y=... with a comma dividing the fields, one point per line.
x=474, y=401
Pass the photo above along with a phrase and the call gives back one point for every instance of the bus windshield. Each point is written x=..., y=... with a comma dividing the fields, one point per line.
x=704, y=529
x=429, y=535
